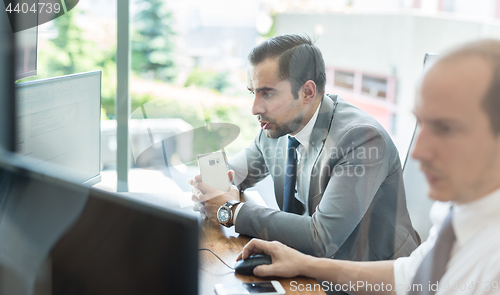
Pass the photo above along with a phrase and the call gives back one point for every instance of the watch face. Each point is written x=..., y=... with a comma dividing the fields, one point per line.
x=223, y=215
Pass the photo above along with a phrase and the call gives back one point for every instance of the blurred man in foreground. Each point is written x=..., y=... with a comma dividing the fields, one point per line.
x=459, y=151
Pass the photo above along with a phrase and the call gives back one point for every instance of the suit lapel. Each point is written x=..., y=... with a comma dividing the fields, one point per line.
x=316, y=143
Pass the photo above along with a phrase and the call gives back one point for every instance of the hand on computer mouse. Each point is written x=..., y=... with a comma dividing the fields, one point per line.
x=286, y=262
x=247, y=265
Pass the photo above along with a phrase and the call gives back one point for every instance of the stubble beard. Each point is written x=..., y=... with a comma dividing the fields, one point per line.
x=285, y=128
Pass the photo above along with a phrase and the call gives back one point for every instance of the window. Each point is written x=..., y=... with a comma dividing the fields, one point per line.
x=344, y=79
x=373, y=86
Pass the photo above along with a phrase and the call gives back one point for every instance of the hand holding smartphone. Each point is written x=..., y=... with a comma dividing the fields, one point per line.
x=213, y=170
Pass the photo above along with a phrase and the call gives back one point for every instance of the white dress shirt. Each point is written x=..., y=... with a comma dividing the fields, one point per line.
x=474, y=266
x=302, y=137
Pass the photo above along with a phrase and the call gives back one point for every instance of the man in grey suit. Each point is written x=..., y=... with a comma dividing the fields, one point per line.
x=458, y=147
x=336, y=172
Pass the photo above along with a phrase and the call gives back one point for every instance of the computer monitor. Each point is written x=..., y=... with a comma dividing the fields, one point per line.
x=60, y=237
x=429, y=59
x=58, y=121
x=416, y=186
x=7, y=99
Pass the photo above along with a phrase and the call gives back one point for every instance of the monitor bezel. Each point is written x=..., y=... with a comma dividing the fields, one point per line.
x=428, y=57
x=95, y=178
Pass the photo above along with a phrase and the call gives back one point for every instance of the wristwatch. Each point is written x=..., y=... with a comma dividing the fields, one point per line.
x=225, y=213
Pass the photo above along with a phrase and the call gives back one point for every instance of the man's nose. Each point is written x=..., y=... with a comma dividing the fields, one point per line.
x=257, y=107
x=422, y=149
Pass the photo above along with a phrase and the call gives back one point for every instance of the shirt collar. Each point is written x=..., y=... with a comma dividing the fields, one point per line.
x=303, y=136
x=470, y=218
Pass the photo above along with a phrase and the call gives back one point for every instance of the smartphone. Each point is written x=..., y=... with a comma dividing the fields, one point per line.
x=213, y=170
x=262, y=288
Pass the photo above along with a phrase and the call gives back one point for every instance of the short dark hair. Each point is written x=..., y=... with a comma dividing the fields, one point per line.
x=488, y=50
x=299, y=60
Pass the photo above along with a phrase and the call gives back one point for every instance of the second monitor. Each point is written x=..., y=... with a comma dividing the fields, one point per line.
x=58, y=121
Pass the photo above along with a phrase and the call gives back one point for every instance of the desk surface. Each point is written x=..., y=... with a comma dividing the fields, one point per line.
x=226, y=243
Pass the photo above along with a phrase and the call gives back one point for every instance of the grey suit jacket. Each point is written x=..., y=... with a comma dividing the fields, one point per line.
x=353, y=179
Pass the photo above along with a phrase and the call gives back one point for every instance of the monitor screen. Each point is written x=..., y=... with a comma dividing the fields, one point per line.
x=59, y=237
x=429, y=59
x=58, y=121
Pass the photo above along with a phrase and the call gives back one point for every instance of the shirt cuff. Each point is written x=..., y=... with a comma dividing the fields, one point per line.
x=400, y=281
x=238, y=207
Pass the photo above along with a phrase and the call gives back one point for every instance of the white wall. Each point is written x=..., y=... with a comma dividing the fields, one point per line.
x=387, y=45
x=484, y=8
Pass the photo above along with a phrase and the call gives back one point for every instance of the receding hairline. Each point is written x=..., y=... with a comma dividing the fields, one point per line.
x=459, y=61
x=452, y=59
x=487, y=50
x=477, y=61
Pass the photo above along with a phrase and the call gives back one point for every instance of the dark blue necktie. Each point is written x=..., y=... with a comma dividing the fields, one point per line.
x=290, y=203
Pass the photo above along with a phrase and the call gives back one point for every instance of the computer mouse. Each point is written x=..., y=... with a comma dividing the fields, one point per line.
x=246, y=266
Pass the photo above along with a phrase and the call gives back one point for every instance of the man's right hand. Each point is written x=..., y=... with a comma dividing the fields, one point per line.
x=286, y=262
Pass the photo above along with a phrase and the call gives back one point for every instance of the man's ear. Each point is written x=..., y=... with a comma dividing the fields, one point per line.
x=308, y=91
